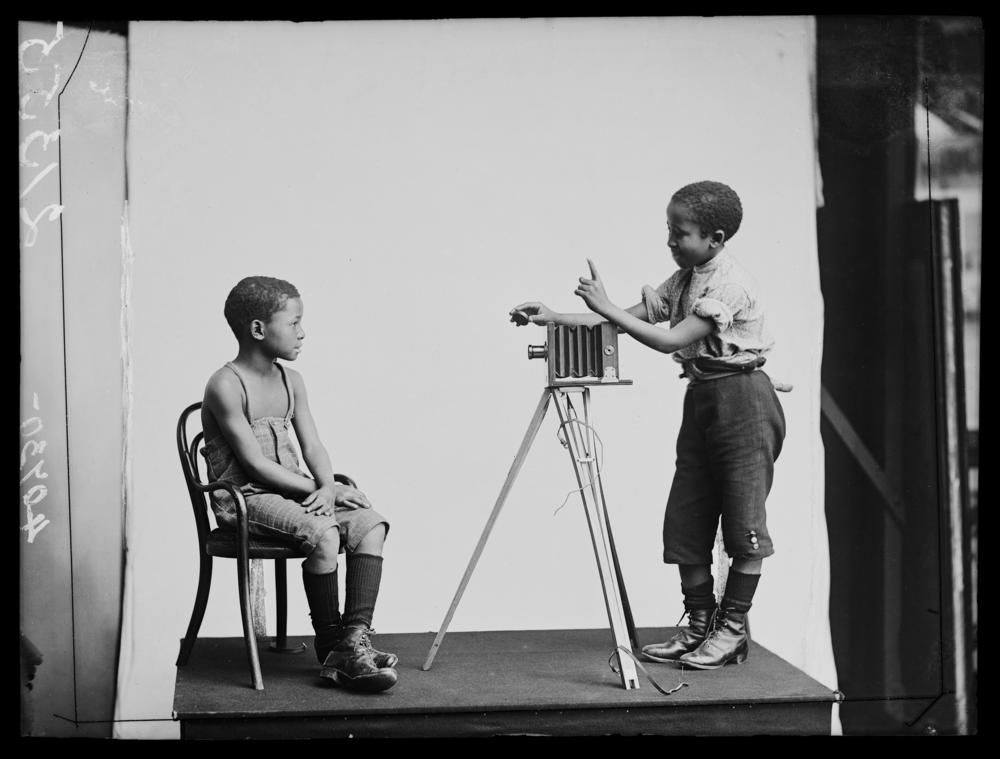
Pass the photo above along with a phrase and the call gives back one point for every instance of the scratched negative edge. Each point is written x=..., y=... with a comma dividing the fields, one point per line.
x=62, y=280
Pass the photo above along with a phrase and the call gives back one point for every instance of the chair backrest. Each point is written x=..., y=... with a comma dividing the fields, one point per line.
x=187, y=450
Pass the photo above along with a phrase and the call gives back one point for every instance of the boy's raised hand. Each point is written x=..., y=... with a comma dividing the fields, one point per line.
x=531, y=313
x=592, y=291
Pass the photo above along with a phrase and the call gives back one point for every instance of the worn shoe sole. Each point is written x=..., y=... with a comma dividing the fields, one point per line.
x=647, y=655
x=738, y=659
x=373, y=683
x=381, y=660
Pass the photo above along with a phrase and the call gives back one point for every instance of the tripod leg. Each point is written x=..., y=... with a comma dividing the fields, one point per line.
x=594, y=509
x=622, y=592
x=522, y=453
x=626, y=606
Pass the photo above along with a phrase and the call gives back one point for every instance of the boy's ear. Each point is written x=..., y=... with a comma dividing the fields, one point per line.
x=257, y=329
x=718, y=238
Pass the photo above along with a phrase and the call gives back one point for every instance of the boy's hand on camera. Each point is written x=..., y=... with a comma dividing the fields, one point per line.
x=520, y=318
x=531, y=313
x=592, y=291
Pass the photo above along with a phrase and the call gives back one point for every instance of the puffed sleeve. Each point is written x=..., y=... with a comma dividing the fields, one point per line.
x=657, y=302
x=722, y=305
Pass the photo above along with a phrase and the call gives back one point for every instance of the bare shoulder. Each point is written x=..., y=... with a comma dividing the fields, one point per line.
x=295, y=378
x=223, y=386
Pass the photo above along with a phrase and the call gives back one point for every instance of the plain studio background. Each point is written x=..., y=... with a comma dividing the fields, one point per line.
x=416, y=180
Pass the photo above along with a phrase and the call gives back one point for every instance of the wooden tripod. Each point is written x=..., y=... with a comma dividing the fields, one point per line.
x=580, y=444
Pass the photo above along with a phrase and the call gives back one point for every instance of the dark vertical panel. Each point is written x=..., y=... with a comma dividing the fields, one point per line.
x=889, y=272
x=879, y=366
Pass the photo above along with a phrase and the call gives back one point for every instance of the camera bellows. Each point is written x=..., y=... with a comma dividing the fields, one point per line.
x=583, y=352
x=578, y=351
x=580, y=355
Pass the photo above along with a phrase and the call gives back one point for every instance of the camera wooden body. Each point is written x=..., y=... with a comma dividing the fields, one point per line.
x=580, y=355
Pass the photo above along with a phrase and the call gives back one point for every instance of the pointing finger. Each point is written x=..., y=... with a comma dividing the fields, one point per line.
x=593, y=269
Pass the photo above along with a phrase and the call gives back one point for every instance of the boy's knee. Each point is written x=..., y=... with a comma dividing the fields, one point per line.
x=373, y=541
x=324, y=555
x=330, y=542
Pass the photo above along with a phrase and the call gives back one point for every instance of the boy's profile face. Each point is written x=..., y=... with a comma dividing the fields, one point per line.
x=282, y=334
x=688, y=245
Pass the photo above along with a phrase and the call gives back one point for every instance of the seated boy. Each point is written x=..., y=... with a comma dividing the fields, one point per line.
x=249, y=407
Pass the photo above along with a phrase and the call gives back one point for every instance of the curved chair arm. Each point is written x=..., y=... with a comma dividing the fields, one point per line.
x=242, y=520
x=343, y=479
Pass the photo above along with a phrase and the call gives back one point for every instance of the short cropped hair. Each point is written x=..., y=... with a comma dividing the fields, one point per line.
x=713, y=206
x=256, y=298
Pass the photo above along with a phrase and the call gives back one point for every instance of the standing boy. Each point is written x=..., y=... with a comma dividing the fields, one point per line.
x=733, y=425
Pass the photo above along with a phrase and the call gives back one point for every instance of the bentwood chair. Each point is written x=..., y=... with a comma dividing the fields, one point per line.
x=239, y=544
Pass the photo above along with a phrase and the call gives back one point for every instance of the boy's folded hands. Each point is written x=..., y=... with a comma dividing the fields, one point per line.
x=352, y=498
x=325, y=499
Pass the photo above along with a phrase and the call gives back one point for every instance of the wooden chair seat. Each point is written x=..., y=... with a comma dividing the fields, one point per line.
x=224, y=543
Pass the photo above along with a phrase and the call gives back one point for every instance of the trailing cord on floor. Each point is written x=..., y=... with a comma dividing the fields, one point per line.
x=656, y=685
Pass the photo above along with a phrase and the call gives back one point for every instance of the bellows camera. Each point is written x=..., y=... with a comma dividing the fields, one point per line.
x=580, y=355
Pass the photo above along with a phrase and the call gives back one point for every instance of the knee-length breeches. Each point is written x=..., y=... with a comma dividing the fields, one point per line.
x=731, y=434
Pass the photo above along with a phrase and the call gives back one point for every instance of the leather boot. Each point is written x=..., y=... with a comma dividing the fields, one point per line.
x=687, y=638
x=380, y=658
x=727, y=642
x=350, y=665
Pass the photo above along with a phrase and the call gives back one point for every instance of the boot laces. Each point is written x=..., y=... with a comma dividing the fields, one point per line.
x=718, y=624
x=687, y=613
x=366, y=641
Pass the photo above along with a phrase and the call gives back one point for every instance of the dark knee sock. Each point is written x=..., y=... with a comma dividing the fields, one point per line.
x=364, y=576
x=739, y=591
x=324, y=608
x=699, y=597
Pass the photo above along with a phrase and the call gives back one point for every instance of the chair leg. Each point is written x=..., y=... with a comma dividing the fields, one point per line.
x=280, y=643
x=200, y=603
x=243, y=572
x=281, y=602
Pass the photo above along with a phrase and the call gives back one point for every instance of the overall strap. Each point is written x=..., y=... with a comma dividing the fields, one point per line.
x=288, y=389
x=246, y=394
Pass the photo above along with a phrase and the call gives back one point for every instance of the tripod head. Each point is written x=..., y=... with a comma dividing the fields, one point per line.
x=580, y=355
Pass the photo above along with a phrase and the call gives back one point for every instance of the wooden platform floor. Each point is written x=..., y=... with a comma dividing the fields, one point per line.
x=544, y=682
